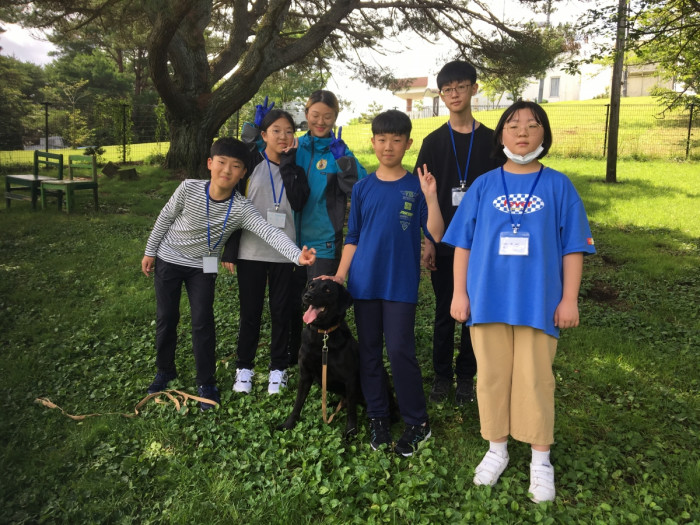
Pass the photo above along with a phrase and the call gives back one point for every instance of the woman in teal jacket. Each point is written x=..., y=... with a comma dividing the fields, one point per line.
x=331, y=170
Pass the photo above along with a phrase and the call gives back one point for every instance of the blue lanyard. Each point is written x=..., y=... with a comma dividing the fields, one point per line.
x=462, y=180
x=276, y=201
x=223, y=229
x=516, y=226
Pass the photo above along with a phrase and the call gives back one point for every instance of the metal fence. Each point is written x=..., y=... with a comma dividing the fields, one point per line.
x=139, y=133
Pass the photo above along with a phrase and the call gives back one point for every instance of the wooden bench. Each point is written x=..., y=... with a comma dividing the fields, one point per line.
x=28, y=186
x=73, y=183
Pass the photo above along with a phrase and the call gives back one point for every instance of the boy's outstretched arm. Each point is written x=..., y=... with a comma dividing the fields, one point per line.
x=147, y=264
x=307, y=256
x=436, y=226
x=566, y=314
x=460, y=307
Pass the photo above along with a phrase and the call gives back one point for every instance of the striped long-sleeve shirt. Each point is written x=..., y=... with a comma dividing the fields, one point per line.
x=179, y=235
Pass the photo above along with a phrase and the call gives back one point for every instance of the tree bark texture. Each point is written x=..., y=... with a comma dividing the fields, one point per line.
x=615, y=92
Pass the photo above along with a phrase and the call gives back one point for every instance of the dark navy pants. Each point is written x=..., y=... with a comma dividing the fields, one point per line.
x=394, y=322
x=444, y=327
x=253, y=276
x=200, y=292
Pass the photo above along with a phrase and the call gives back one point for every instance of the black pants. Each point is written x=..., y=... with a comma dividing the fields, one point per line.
x=444, y=327
x=300, y=276
x=200, y=292
x=393, y=322
x=252, y=278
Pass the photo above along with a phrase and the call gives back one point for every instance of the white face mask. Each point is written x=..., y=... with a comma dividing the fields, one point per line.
x=523, y=159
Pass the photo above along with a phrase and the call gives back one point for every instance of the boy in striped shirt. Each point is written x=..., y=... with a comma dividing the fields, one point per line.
x=187, y=240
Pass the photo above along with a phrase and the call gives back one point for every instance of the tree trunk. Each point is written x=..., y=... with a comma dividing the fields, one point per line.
x=615, y=90
x=190, y=141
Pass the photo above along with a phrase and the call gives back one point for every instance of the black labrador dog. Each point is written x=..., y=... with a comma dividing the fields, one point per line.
x=326, y=302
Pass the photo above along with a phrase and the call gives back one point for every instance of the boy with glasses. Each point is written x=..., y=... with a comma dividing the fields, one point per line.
x=456, y=153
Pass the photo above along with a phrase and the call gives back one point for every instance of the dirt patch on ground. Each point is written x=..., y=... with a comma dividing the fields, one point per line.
x=602, y=292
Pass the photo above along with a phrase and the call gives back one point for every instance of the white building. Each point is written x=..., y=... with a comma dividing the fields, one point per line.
x=593, y=80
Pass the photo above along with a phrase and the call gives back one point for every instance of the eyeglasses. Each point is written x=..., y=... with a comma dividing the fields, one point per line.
x=513, y=128
x=460, y=88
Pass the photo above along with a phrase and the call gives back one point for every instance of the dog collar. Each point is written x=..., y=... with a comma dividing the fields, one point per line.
x=327, y=330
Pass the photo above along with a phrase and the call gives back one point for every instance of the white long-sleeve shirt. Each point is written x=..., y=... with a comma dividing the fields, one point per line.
x=179, y=235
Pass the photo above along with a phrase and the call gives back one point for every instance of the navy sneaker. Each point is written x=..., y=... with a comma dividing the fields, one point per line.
x=413, y=435
x=160, y=382
x=208, y=392
x=379, y=432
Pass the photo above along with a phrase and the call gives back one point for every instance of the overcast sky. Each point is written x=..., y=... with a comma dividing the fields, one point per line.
x=21, y=44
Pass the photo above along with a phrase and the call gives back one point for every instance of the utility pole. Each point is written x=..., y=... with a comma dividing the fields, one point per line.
x=615, y=91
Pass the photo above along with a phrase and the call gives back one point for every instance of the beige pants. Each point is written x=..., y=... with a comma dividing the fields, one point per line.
x=515, y=383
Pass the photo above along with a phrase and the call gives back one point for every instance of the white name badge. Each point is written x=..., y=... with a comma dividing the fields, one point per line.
x=457, y=195
x=514, y=243
x=276, y=218
x=210, y=264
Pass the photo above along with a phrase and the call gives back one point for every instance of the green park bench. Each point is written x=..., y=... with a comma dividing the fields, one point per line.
x=28, y=186
x=72, y=183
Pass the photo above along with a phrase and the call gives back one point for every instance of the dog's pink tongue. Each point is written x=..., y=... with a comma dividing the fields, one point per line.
x=311, y=314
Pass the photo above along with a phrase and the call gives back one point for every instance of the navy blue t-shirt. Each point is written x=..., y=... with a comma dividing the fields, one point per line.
x=385, y=224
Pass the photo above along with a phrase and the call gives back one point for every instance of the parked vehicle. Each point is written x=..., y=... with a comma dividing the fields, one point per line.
x=298, y=112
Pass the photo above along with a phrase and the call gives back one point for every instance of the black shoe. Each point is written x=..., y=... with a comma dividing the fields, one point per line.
x=160, y=382
x=413, y=435
x=379, y=432
x=464, y=392
x=441, y=389
x=208, y=392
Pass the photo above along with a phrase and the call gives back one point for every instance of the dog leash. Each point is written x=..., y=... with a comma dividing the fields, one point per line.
x=324, y=357
x=176, y=397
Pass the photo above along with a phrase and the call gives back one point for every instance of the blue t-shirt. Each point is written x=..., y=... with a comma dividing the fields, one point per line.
x=385, y=223
x=511, y=289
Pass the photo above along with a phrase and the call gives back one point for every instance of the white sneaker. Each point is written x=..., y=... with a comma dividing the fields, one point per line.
x=278, y=379
x=490, y=468
x=244, y=380
x=542, y=483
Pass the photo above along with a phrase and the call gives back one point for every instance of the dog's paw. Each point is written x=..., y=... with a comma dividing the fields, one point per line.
x=287, y=425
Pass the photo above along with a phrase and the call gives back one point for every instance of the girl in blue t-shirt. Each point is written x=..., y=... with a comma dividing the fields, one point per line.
x=519, y=234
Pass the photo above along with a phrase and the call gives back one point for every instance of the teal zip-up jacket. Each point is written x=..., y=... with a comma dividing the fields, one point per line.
x=320, y=223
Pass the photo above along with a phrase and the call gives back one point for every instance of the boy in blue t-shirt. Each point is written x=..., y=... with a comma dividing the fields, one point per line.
x=381, y=259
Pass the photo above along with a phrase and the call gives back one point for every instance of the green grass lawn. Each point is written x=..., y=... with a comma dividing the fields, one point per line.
x=77, y=326
x=579, y=130
x=646, y=132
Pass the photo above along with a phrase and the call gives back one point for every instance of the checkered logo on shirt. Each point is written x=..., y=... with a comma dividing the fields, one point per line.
x=517, y=203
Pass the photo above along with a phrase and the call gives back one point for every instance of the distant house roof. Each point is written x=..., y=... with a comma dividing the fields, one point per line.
x=412, y=88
